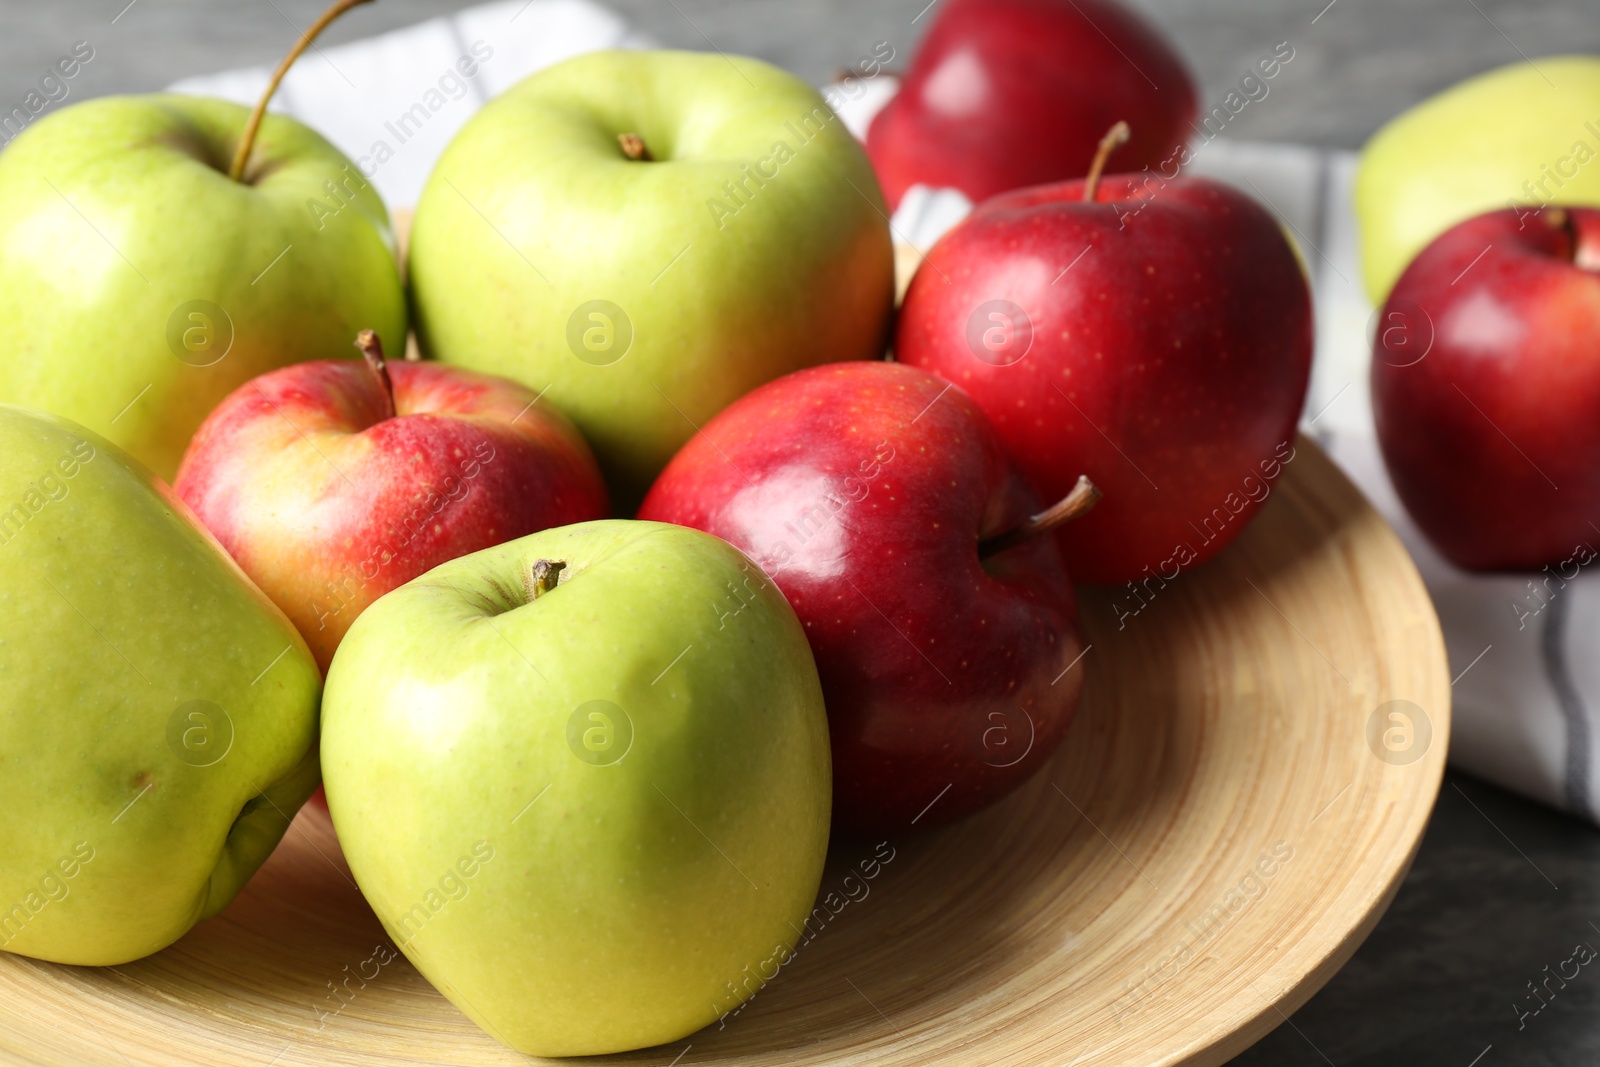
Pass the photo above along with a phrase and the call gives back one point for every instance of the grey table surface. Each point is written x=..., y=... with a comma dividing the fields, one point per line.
x=1502, y=889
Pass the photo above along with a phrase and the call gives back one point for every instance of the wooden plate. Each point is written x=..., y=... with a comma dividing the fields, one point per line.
x=1230, y=815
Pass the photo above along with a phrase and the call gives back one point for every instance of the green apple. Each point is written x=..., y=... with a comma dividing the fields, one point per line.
x=1522, y=136
x=160, y=714
x=140, y=284
x=747, y=240
x=594, y=813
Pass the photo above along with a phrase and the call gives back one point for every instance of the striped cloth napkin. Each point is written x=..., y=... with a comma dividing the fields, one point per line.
x=1524, y=704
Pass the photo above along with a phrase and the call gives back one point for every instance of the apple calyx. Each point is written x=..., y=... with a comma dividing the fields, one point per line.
x=242, y=156
x=634, y=148
x=1115, y=136
x=1083, y=497
x=372, y=351
x=543, y=576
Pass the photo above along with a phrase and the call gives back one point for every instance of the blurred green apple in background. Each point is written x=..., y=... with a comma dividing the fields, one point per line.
x=1524, y=135
x=140, y=284
x=651, y=235
x=583, y=779
x=159, y=728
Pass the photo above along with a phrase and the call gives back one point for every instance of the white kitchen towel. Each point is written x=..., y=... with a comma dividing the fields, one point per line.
x=1525, y=704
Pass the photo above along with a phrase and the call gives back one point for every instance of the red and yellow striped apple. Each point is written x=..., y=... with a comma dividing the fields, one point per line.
x=336, y=481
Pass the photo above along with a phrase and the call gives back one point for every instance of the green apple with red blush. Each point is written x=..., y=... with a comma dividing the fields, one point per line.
x=335, y=481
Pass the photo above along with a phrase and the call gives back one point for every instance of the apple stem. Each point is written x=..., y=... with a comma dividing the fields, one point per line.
x=1117, y=135
x=542, y=577
x=633, y=147
x=372, y=351
x=242, y=156
x=1076, y=503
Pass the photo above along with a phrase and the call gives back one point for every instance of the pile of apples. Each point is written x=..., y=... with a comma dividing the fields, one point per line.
x=585, y=767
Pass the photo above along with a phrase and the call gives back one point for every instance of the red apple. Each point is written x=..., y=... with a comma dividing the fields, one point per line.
x=1008, y=93
x=1486, y=386
x=333, y=482
x=1156, y=339
x=867, y=492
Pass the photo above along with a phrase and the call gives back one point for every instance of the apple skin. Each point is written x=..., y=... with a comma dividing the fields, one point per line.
x=1009, y=93
x=617, y=898
x=862, y=490
x=534, y=214
x=328, y=503
x=1169, y=363
x=1501, y=138
x=1485, y=385
x=117, y=610
x=117, y=215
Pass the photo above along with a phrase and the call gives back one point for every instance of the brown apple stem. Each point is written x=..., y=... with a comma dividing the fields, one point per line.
x=633, y=147
x=1117, y=135
x=247, y=142
x=542, y=577
x=1076, y=503
x=372, y=351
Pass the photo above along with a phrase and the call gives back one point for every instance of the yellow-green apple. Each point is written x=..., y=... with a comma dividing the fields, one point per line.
x=141, y=282
x=1008, y=93
x=160, y=714
x=650, y=235
x=868, y=491
x=1156, y=339
x=1526, y=135
x=1484, y=386
x=582, y=777
x=334, y=482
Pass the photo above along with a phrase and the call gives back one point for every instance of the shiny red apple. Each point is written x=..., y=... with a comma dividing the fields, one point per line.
x=333, y=482
x=873, y=495
x=1156, y=339
x=1008, y=93
x=1486, y=388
